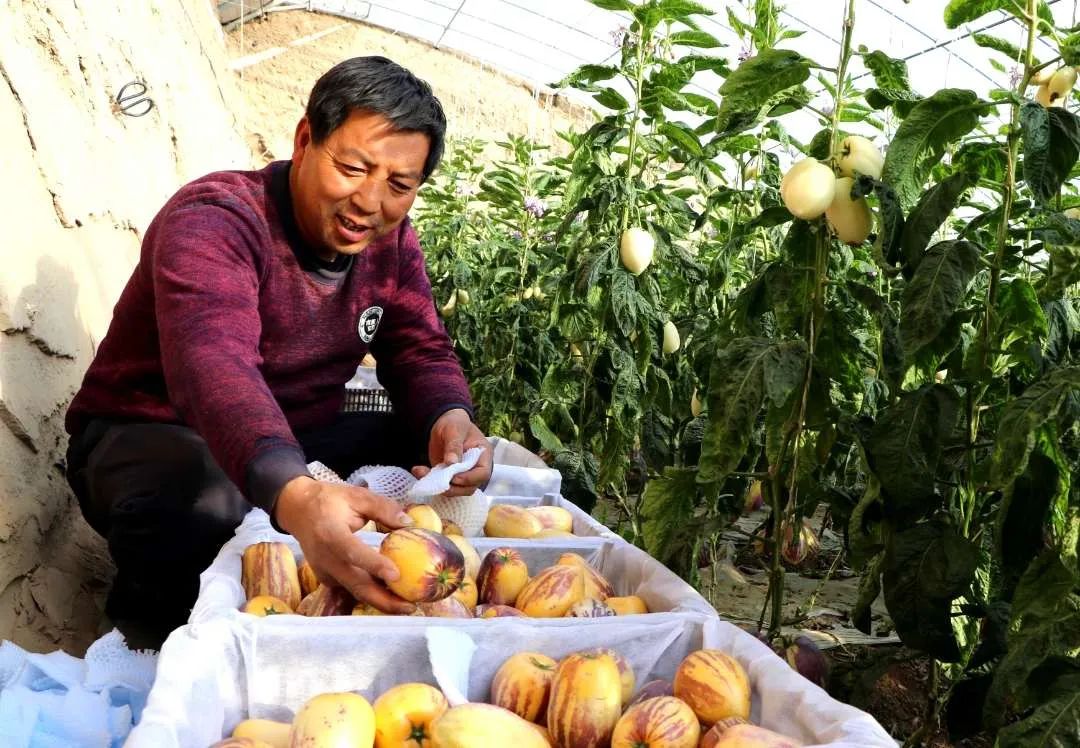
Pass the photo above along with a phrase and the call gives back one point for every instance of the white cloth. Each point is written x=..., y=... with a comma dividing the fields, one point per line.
x=438, y=480
x=55, y=699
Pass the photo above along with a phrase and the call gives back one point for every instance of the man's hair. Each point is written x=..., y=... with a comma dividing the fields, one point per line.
x=378, y=85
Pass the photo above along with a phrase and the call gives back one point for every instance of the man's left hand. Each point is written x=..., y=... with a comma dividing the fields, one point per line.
x=453, y=434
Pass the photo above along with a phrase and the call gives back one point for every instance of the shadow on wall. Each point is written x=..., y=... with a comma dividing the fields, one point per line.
x=55, y=568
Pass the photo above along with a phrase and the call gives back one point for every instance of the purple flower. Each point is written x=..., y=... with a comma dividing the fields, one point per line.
x=464, y=189
x=535, y=206
x=618, y=36
x=1015, y=74
x=745, y=53
x=515, y=235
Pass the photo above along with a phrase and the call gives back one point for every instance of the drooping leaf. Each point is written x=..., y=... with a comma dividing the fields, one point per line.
x=612, y=99
x=998, y=44
x=579, y=473
x=540, y=431
x=1023, y=417
x=1024, y=514
x=683, y=136
x=889, y=73
x=927, y=217
x=750, y=86
x=927, y=566
x=924, y=135
x=904, y=449
x=935, y=291
x=743, y=376
x=869, y=589
x=1051, y=148
x=1055, y=724
x=668, y=504
x=890, y=211
x=1019, y=313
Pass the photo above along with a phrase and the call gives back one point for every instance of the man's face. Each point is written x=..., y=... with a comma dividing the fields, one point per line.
x=356, y=185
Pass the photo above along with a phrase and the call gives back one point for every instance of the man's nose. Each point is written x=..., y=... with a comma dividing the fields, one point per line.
x=367, y=197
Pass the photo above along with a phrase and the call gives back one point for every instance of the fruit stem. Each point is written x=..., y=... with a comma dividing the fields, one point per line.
x=624, y=221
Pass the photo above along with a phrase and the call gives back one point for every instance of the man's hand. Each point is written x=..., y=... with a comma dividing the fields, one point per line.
x=323, y=517
x=453, y=434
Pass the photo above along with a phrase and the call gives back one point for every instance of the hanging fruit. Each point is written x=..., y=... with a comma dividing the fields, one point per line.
x=857, y=155
x=671, y=337
x=636, y=247
x=849, y=217
x=808, y=189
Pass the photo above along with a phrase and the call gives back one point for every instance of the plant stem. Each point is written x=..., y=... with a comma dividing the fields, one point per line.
x=639, y=73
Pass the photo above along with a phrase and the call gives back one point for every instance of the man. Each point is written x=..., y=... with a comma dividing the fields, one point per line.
x=221, y=376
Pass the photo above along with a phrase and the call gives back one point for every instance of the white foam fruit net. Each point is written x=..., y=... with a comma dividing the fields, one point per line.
x=467, y=512
x=387, y=480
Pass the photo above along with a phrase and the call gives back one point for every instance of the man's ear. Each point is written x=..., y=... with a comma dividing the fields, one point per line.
x=301, y=139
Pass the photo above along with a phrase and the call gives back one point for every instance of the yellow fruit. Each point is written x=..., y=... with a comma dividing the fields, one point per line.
x=308, y=580
x=403, y=715
x=472, y=558
x=596, y=586
x=636, y=247
x=627, y=606
x=241, y=743
x=551, y=532
x=327, y=600
x=466, y=593
x=482, y=725
x=714, y=685
x=742, y=735
x=553, y=517
x=1042, y=77
x=850, y=218
x=274, y=734
x=509, y=521
x=447, y=309
x=463, y=296
x=857, y=155
x=671, y=338
x=808, y=189
x=430, y=564
x=1062, y=82
x=498, y=611
x=448, y=607
x=451, y=528
x=334, y=720
x=265, y=605
x=695, y=404
x=503, y=574
x=589, y=607
x=270, y=569
x=663, y=722
x=552, y=592
x=522, y=684
x=586, y=700
x=424, y=516
x=627, y=679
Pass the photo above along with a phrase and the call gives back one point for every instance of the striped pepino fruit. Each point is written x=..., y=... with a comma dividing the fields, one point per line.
x=595, y=585
x=715, y=686
x=327, y=601
x=661, y=722
x=522, y=684
x=308, y=581
x=586, y=701
x=270, y=569
x=552, y=592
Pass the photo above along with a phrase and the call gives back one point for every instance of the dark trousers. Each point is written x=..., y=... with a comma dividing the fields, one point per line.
x=155, y=493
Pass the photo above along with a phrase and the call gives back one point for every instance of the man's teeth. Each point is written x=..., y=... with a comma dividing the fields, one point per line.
x=352, y=226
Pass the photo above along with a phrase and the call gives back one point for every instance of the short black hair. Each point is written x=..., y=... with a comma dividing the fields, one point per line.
x=376, y=84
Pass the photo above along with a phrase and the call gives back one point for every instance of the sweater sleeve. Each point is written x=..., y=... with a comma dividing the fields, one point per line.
x=206, y=276
x=415, y=359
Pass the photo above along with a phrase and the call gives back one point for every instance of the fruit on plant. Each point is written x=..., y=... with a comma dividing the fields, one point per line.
x=590, y=607
x=327, y=600
x=661, y=722
x=463, y=296
x=695, y=404
x=551, y=592
x=503, y=574
x=448, y=607
x=806, y=658
x=475, y=725
x=575, y=353
x=403, y=715
x=1042, y=77
x=808, y=189
x=627, y=679
x=586, y=701
x=857, y=155
x=743, y=735
x=447, y=309
x=265, y=605
x=1062, y=82
x=1073, y=213
x=636, y=247
x=424, y=517
x=430, y=564
x=334, y=719
x=528, y=293
x=752, y=169
x=754, y=499
x=472, y=558
x=595, y=584
x=671, y=338
x=308, y=580
x=522, y=684
x=538, y=293
x=498, y=611
x=714, y=684
x=850, y=218
x=798, y=550
x=270, y=569
x=652, y=690
x=627, y=606
x=274, y=734
x=466, y=593
x=1044, y=97
x=509, y=521
x=553, y=517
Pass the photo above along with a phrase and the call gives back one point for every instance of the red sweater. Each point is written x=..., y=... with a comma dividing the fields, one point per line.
x=228, y=326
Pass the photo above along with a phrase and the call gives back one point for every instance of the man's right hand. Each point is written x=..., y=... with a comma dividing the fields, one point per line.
x=323, y=517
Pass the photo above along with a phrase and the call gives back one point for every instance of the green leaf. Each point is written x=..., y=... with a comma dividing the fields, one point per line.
x=683, y=136
x=997, y=44
x=667, y=505
x=613, y=4
x=1051, y=148
x=927, y=567
x=905, y=445
x=869, y=589
x=611, y=99
x=891, y=212
x=743, y=376
x=750, y=86
x=544, y=435
x=927, y=217
x=1023, y=417
x=700, y=39
x=681, y=10
x=936, y=290
x=959, y=12
x=1043, y=589
x=1019, y=312
x=1024, y=513
x=579, y=473
x=925, y=134
x=623, y=303
x=1055, y=724
x=586, y=75
x=889, y=73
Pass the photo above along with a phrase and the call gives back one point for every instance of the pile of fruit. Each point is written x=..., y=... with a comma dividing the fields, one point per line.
x=444, y=576
x=586, y=700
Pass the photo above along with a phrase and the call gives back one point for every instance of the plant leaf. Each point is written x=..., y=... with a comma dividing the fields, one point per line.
x=927, y=567
x=750, y=86
x=694, y=38
x=544, y=435
x=579, y=473
x=936, y=290
x=959, y=12
x=997, y=44
x=1051, y=147
x=1055, y=724
x=889, y=73
x=667, y=505
x=927, y=217
x=613, y=4
x=922, y=138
